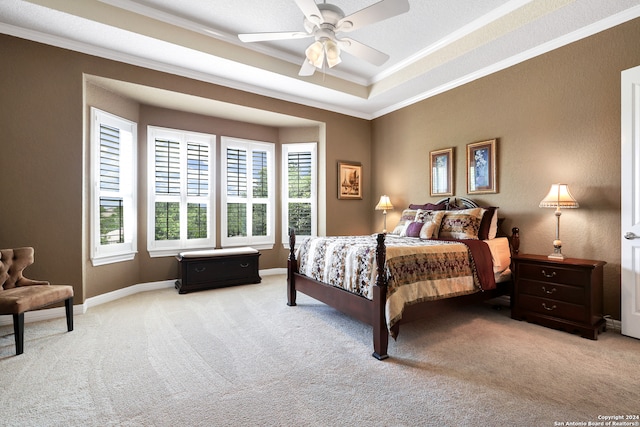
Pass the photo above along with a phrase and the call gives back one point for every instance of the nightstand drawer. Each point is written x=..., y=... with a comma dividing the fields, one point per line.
x=552, y=274
x=555, y=291
x=553, y=308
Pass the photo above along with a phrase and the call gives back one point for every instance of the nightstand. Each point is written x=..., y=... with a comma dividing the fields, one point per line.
x=562, y=294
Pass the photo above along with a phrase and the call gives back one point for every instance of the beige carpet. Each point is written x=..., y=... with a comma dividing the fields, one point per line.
x=241, y=356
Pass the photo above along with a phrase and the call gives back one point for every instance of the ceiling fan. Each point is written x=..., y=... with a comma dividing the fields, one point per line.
x=323, y=22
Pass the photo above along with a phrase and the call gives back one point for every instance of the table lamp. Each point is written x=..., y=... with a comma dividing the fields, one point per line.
x=384, y=205
x=558, y=197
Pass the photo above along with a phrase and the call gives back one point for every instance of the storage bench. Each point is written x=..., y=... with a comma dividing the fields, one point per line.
x=217, y=268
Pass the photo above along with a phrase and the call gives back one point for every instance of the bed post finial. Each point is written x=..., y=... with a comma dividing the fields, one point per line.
x=515, y=240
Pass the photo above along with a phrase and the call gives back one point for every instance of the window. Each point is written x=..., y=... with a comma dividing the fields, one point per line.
x=248, y=193
x=299, y=183
x=181, y=191
x=113, y=184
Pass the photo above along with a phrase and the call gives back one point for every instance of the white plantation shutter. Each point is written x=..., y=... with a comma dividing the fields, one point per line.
x=181, y=197
x=299, y=200
x=248, y=193
x=111, y=208
x=167, y=166
x=113, y=212
x=198, y=187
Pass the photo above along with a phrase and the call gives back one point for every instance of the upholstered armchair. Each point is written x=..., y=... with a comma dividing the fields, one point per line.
x=19, y=294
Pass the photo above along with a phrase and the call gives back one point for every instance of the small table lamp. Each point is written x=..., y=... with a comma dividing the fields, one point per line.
x=558, y=197
x=384, y=205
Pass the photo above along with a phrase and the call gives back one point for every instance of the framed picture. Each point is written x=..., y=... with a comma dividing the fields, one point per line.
x=482, y=167
x=441, y=162
x=349, y=180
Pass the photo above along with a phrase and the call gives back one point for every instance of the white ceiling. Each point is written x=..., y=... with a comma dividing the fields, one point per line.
x=436, y=46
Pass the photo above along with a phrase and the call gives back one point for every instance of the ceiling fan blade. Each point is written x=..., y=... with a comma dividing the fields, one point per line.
x=363, y=51
x=310, y=10
x=307, y=68
x=260, y=37
x=380, y=11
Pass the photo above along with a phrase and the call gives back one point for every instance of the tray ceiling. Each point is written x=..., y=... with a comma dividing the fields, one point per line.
x=438, y=45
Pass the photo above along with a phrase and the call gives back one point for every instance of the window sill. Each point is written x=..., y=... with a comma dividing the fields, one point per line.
x=112, y=259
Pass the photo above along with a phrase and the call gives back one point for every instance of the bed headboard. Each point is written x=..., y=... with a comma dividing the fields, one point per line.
x=458, y=202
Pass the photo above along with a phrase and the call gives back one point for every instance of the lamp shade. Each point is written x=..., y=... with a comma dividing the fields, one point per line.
x=559, y=197
x=384, y=204
x=332, y=53
x=315, y=54
x=322, y=49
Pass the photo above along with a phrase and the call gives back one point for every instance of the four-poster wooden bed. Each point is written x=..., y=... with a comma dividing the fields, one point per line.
x=371, y=310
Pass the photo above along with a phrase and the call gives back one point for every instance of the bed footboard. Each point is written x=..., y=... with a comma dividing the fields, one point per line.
x=371, y=312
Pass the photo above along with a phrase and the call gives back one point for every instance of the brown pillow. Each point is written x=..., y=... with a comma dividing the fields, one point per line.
x=430, y=207
x=485, y=223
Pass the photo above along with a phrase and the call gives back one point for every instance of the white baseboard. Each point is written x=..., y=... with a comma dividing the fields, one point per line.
x=57, y=312
x=273, y=271
x=124, y=292
x=613, y=324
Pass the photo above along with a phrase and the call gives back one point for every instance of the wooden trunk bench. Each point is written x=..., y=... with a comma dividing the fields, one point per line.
x=217, y=268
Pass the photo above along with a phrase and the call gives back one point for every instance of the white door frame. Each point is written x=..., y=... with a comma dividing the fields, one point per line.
x=630, y=202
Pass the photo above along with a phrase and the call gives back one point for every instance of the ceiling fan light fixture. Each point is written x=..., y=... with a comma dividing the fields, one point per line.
x=332, y=51
x=315, y=54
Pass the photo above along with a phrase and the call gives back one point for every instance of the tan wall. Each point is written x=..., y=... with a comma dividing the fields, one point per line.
x=557, y=119
x=43, y=159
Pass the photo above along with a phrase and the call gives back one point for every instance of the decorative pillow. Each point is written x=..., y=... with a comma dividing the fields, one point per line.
x=461, y=224
x=428, y=230
x=419, y=217
x=490, y=214
x=408, y=215
x=493, y=230
x=413, y=229
x=432, y=220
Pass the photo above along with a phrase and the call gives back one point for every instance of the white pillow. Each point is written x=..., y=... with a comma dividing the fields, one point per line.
x=493, y=228
x=431, y=227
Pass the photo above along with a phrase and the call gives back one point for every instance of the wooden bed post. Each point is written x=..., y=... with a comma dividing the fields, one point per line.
x=515, y=240
x=380, y=333
x=292, y=267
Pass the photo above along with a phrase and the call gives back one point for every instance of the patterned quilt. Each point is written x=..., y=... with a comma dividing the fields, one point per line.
x=417, y=270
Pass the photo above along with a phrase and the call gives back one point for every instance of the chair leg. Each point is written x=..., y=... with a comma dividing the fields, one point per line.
x=18, y=331
x=68, y=306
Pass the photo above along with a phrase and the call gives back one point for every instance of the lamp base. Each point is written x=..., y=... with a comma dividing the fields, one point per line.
x=557, y=251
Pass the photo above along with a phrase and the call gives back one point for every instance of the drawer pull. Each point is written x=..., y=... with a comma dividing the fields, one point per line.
x=549, y=276
x=200, y=269
x=549, y=292
x=245, y=265
x=553, y=307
